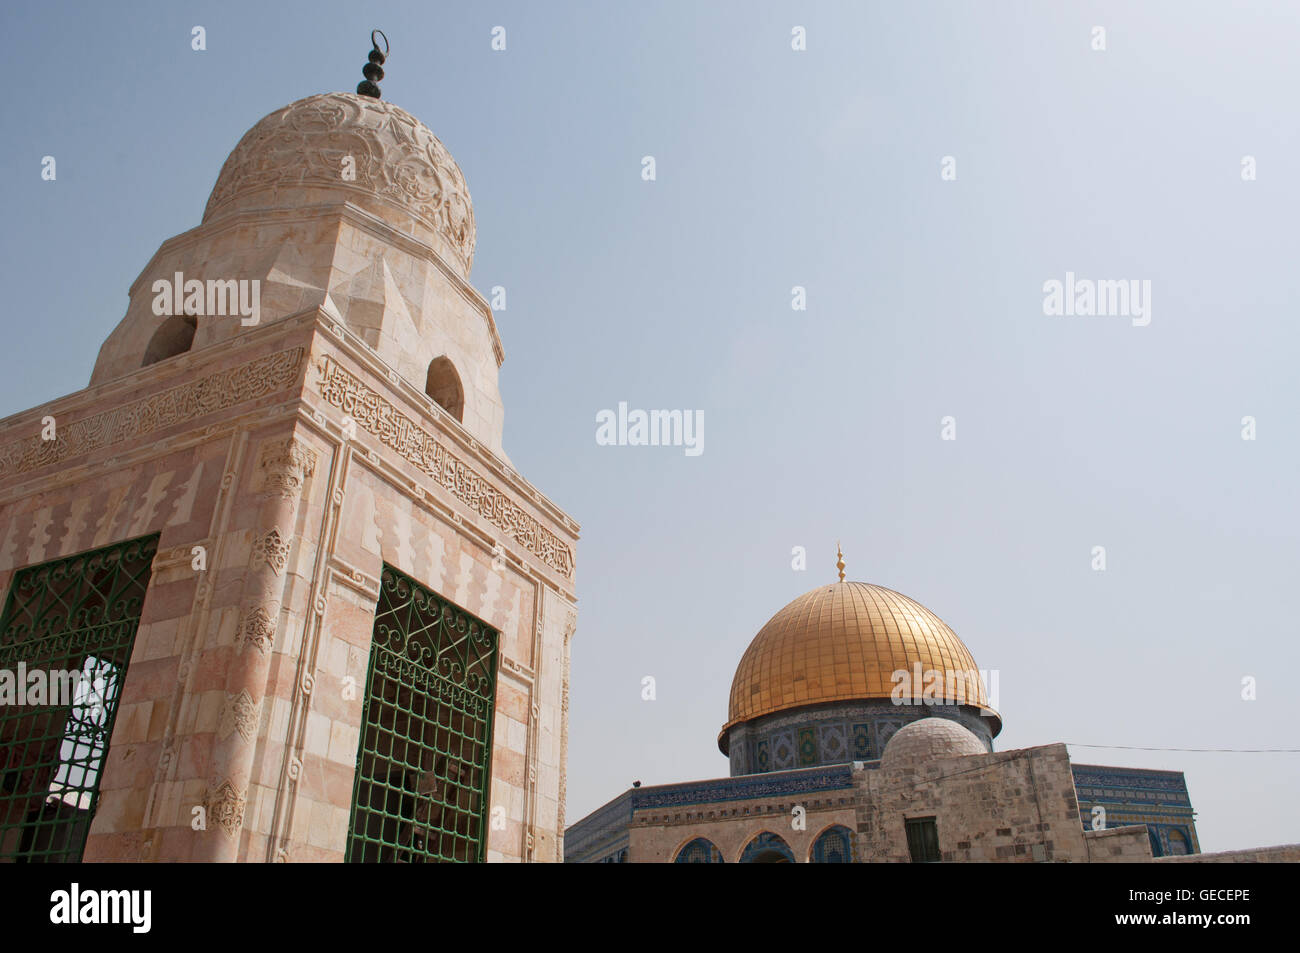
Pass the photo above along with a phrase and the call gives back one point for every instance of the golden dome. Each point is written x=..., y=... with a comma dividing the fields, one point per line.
x=843, y=642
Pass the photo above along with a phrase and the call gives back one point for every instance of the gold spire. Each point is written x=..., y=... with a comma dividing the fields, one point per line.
x=839, y=559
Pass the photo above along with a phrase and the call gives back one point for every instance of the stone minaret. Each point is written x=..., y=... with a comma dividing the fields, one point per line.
x=299, y=414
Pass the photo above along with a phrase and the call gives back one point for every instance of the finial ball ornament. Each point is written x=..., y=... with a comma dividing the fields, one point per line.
x=373, y=70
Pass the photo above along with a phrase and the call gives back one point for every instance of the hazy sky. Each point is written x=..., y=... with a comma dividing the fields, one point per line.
x=821, y=169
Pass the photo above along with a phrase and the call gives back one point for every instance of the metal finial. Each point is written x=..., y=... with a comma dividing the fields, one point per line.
x=839, y=559
x=374, y=69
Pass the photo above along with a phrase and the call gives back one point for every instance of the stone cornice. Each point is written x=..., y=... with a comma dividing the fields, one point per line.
x=123, y=422
x=143, y=379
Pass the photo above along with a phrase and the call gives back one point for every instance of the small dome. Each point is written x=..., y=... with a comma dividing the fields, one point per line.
x=927, y=739
x=366, y=151
x=844, y=642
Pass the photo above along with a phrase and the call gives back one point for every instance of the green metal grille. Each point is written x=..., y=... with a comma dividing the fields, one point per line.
x=421, y=791
x=70, y=623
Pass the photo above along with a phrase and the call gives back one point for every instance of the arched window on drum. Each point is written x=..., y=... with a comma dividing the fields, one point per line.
x=699, y=851
x=767, y=848
x=442, y=383
x=833, y=846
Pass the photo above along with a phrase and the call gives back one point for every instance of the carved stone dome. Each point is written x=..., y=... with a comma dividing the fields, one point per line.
x=399, y=171
x=927, y=739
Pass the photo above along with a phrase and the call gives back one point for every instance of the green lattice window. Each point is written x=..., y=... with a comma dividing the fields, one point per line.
x=421, y=792
x=65, y=641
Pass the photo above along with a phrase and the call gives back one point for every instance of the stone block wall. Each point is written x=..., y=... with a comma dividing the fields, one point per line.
x=1118, y=845
x=1282, y=854
x=1014, y=806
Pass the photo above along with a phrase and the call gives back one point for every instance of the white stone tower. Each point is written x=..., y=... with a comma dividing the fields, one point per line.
x=332, y=622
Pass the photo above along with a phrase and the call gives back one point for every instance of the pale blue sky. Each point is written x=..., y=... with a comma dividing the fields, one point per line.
x=819, y=169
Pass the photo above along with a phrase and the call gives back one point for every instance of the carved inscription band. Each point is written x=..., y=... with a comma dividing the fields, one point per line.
x=400, y=433
x=218, y=391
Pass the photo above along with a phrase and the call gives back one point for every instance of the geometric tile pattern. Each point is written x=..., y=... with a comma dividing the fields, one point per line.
x=832, y=743
x=833, y=734
x=783, y=750
x=1156, y=799
x=807, y=747
x=861, y=742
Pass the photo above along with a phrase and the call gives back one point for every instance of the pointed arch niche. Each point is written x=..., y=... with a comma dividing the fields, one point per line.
x=442, y=383
x=175, y=336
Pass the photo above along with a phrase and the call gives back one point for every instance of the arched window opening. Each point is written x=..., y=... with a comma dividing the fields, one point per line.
x=443, y=385
x=176, y=336
x=699, y=851
x=1156, y=849
x=833, y=846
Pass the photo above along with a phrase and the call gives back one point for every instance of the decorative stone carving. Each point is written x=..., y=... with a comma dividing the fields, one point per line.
x=240, y=714
x=257, y=626
x=272, y=549
x=283, y=467
x=226, y=808
x=186, y=401
x=396, y=159
x=523, y=672
x=402, y=434
x=570, y=626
